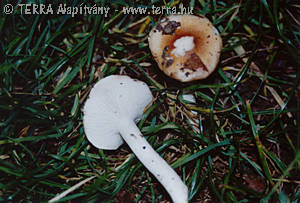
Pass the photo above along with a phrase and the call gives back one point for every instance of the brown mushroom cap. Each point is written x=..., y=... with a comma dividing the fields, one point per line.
x=196, y=63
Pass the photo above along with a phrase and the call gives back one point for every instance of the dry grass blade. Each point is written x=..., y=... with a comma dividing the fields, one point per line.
x=71, y=189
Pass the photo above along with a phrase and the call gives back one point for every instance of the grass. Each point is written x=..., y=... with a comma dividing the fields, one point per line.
x=243, y=148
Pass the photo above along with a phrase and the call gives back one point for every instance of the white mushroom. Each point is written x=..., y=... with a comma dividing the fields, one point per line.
x=114, y=105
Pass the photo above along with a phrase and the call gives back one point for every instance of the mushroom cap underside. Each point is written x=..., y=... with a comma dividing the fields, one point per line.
x=195, y=64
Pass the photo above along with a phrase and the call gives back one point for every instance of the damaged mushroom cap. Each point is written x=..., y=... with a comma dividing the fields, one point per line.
x=186, y=47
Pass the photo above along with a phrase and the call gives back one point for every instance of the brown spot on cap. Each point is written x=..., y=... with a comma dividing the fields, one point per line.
x=170, y=27
x=165, y=52
x=169, y=62
x=159, y=27
x=194, y=62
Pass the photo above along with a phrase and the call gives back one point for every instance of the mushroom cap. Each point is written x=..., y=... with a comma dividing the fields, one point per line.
x=197, y=63
x=111, y=100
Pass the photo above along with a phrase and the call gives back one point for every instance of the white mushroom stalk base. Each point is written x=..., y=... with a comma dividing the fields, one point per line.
x=153, y=162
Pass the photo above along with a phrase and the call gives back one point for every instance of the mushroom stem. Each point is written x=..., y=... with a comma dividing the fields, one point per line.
x=153, y=162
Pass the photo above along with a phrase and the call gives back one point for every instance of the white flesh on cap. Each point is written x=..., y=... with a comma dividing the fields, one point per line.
x=182, y=45
x=114, y=104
